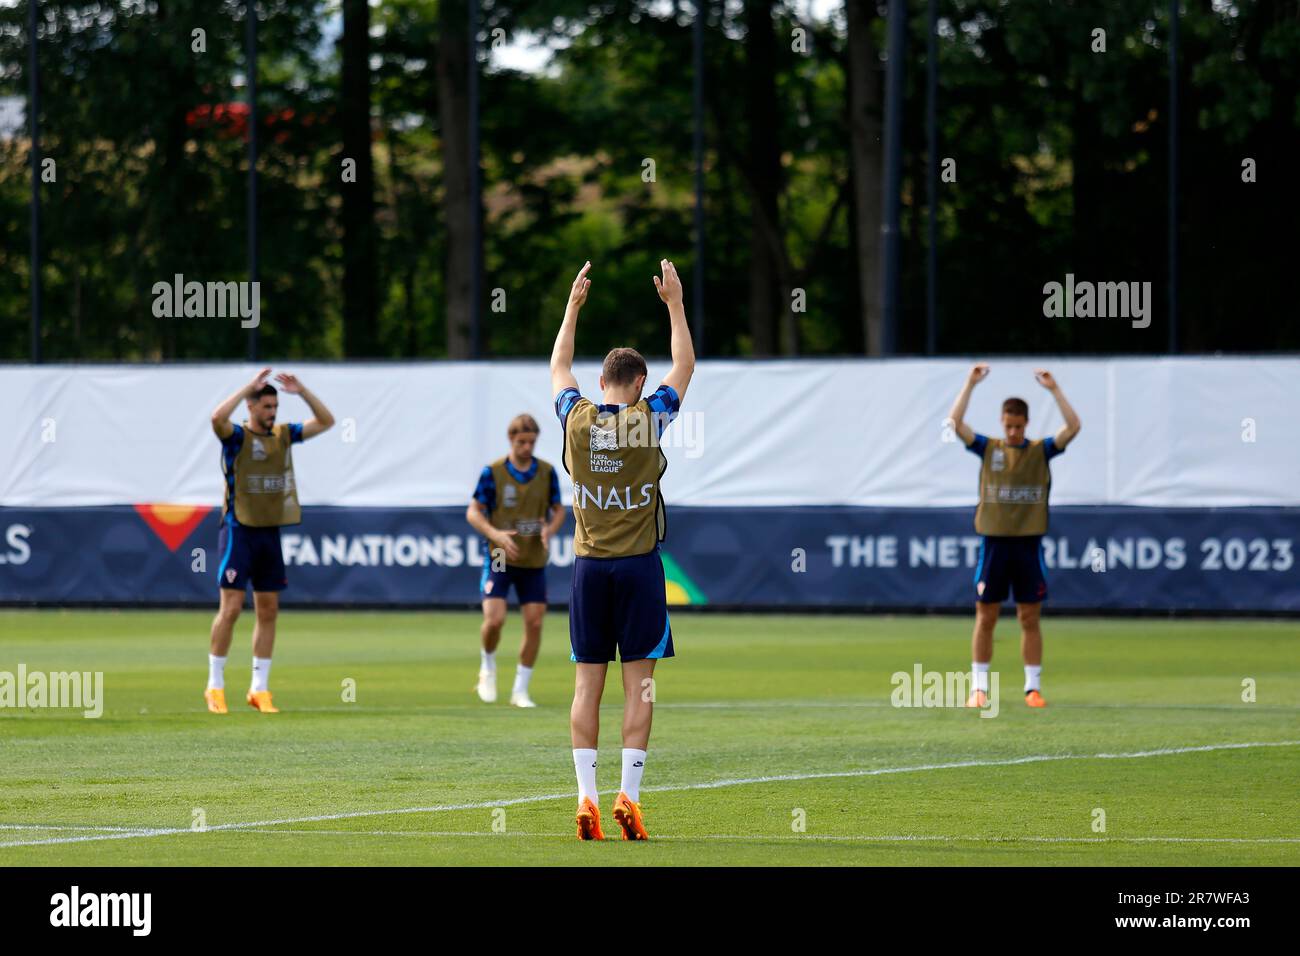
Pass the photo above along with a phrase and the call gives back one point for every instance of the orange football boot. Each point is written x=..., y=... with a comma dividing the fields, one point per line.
x=1035, y=699
x=589, y=821
x=977, y=698
x=261, y=700
x=216, y=698
x=628, y=815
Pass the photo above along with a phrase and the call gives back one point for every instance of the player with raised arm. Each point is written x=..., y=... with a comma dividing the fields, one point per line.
x=618, y=602
x=1015, y=481
x=260, y=497
x=517, y=508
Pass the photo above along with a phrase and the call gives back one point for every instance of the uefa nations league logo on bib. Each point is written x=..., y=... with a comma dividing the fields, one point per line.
x=603, y=439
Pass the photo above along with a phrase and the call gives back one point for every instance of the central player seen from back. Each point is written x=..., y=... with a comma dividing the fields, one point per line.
x=618, y=602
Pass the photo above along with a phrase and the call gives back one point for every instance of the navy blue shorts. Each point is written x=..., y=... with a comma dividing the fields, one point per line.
x=1011, y=565
x=529, y=583
x=619, y=603
x=250, y=554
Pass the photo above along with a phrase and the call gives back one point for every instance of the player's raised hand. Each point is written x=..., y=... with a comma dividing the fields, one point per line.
x=578, y=293
x=289, y=383
x=1045, y=378
x=259, y=380
x=670, y=289
x=978, y=373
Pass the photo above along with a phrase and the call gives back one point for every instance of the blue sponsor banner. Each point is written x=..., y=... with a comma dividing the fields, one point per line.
x=1240, y=559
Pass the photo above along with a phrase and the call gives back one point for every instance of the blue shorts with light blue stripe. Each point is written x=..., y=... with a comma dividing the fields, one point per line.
x=1011, y=566
x=250, y=556
x=529, y=583
x=619, y=604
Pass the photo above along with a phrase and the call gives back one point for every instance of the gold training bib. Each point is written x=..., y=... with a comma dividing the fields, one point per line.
x=1014, y=485
x=615, y=462
x=523, y=507
x=266, y=495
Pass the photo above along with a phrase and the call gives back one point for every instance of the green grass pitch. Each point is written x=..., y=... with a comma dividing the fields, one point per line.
x=760, y=721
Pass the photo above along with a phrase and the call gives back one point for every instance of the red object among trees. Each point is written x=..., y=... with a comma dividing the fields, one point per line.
x=231, y=121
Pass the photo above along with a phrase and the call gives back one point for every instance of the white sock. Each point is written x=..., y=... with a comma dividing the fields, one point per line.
x=1032, y=673
x=216, y=673
x=633, y=767
x=488, y=661
x=981, y=675
x=522, y=676
x=584, y=762
x=261, y=673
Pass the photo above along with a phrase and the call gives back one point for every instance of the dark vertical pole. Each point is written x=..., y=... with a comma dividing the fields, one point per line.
x=932, y=179
x=892, y=250
x=1173, y=175
x=475, y=189
x=33, y=121
x=697, y=285
x=250, y=55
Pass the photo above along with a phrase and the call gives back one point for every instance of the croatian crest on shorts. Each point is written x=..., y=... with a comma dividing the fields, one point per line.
x=230, y=575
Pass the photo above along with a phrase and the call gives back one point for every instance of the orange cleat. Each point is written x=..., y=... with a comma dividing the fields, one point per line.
x=977, y=698
x=1035, y=699
x=589, y=821
x=628, y=815
x=216, y=698
x=261, y=700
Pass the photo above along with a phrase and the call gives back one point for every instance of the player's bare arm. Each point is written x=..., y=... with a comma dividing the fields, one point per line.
x=682, y=348
x=501, y=538
x=322, y=420
x=1065, y=434
x=562, y=353
x=221, y=423
x=957, y=415
x=553, y=525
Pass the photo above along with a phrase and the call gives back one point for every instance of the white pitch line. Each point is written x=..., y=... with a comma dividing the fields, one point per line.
x=764, y=837
x=124, y=835
x=53, y=826
x=711, y=785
